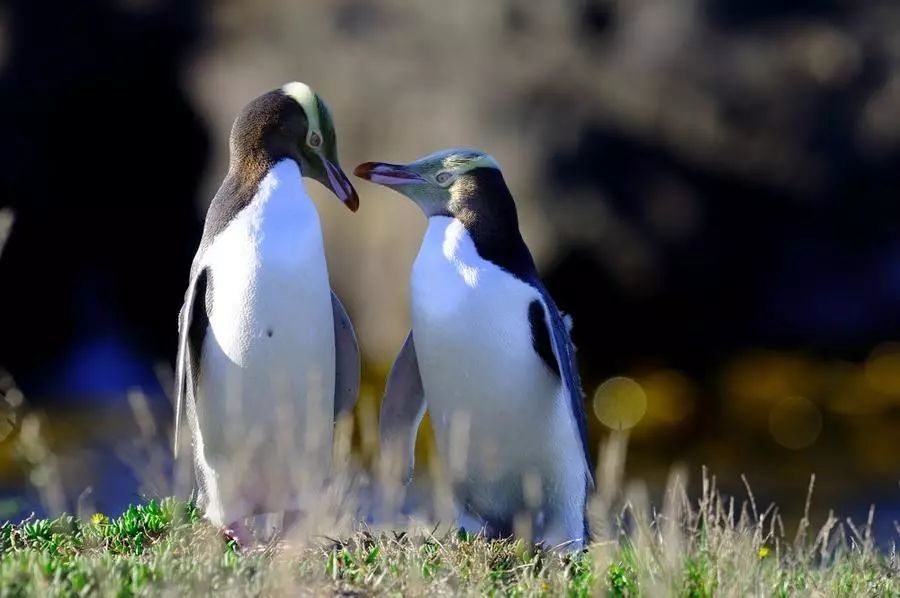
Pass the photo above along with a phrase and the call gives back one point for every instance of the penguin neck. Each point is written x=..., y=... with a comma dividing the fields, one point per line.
x=281, y=196
x=487, y=212
x=465, y=244
x=243, y=185
x=252, y=168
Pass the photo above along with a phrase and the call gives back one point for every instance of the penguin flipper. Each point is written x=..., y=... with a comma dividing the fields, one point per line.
x=402, y=409
x=346, y=360
x=548, y=324
x=192, y=323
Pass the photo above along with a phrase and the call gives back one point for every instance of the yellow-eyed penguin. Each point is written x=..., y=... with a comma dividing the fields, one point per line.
x=491, y=356
x=267, y=356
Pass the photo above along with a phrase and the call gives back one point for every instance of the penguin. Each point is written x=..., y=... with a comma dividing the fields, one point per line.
x=267, y=355
x=490, y=355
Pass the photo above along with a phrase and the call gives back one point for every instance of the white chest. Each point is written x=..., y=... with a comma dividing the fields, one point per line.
x=271, y=321
x=470, y=324
x=458, y=297
x=497, y=409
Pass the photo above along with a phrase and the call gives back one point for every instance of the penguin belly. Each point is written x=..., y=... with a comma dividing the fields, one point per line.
x=502, y=419
x=266, y=386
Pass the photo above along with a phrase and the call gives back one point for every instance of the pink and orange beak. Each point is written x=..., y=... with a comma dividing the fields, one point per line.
x=389, y=175
x=340, y=185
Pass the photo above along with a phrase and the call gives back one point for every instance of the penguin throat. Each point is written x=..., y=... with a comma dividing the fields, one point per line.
x=281, y=201
x=459, y=249
x=487, y=238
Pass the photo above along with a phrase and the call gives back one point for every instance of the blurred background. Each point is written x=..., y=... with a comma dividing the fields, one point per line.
x=709, y=188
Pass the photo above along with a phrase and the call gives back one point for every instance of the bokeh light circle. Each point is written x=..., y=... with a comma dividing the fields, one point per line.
x=795, y=423
x=620, y=403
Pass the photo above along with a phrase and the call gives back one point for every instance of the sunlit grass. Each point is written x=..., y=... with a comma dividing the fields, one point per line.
x=678, y=546
x=166, y=547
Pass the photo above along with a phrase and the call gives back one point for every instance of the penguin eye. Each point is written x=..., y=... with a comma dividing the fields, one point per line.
x=443, y=178
x=315, y=140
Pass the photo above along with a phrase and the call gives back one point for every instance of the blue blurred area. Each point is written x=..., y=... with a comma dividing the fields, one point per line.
x=100, y=365
x=825, y=297
x=99, y=369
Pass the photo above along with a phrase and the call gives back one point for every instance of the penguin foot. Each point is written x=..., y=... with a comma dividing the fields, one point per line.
x=240, y=535
x=231, y=540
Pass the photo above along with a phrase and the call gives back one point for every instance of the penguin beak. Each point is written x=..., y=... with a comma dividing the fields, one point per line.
x=340, y=185
x=389, y=175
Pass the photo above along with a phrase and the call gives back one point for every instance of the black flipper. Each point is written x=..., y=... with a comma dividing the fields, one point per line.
x=549, y=331
x=540, y=336
x=193, y=322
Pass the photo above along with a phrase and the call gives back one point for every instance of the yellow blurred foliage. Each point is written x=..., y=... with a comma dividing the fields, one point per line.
x=882, y=370
x=795, y=423
x=671, y=397
x=757, y=380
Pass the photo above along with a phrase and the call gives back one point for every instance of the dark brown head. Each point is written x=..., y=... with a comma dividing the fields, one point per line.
x=290, y=122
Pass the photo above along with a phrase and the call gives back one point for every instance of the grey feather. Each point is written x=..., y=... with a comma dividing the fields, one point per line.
x=402, y=408
x=346, y=360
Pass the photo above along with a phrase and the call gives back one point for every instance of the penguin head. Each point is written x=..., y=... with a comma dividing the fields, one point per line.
x=292, y=122
x=445, y=182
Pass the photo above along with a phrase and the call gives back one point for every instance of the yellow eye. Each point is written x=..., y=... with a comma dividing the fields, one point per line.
x=443, y=177
x=315, y=140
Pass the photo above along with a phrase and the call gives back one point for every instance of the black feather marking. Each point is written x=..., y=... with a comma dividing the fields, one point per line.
x=199, y=321
x=540, y=337
x=482, y=202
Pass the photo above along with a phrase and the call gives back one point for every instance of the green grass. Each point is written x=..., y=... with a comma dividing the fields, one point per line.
x=165, y=547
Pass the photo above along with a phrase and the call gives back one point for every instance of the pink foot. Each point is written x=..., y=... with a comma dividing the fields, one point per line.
x=240, y=535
